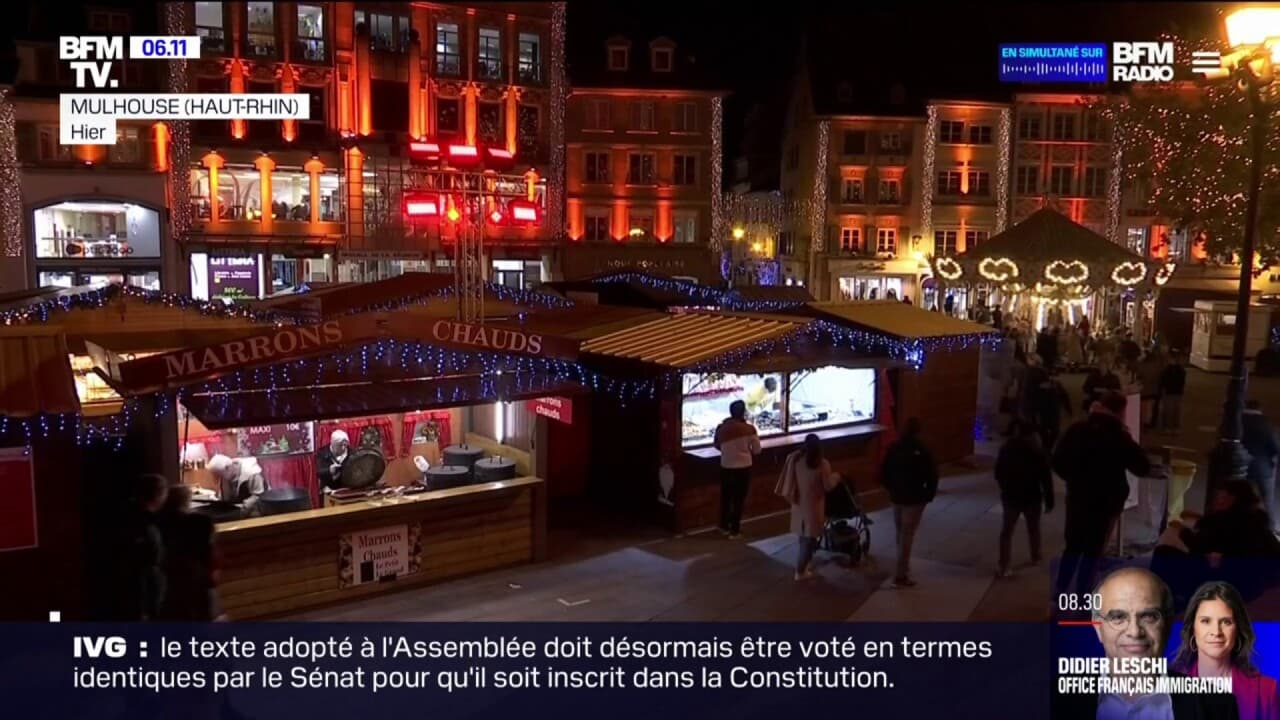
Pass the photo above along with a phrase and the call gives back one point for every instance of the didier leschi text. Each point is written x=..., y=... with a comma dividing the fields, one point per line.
x=1130, y=676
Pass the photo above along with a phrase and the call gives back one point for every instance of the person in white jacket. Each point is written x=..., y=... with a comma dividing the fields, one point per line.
x=240, y=481
x=738, y=443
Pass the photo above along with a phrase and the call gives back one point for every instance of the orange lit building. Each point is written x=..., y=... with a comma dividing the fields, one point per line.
x=643, y=169
x=292, y=202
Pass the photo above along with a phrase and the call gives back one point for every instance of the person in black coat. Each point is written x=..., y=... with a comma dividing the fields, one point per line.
x=1260, y=442
x=1026, y=484
x=1092, y=458
x=189, y=566
x=331, y=458
x=910, y=476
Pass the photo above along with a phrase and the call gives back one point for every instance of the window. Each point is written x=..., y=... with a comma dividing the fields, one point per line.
x=1095, y=182
x=980, y=134
x=311, y=45
x=290, y=194
x=1027, y=180
x=1064, y=127
x=685, y=170
x=489, y=54
x=707, y=399
x=979, y=182
x=388, y=33
x=886, y=240
x=1062, y=181
x=1136, y=239
x=642, y=116
x=890, y=141
x=830, y=396
x=530, y=57
x=944, y=242
x=685, y=119
x=597, y=167
x=596, y=224
x=1093, y=127
x=210, y=27
x=950, y=131
x=640, y=170
x=109, y=22
x=598, y=115
x=619, y=58
x=786, y=243
x=852, y=190
x=640, y=224
x=1029, y=127
x=96, y=230
x=448, y=49
x=974, y=238
x=390, y=104
x=949, y=182
x=261, y=38
x=330, y=196
x=489, y=122
x=855, y=142
x=662, y=59
x=528, y=123
x=128, y=147
x=686, y=227
x=50, y=147
x=890, y=191
x=850, y=239
x=448, y=115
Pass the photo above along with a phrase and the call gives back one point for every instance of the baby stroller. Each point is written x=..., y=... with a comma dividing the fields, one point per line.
x=848, y=529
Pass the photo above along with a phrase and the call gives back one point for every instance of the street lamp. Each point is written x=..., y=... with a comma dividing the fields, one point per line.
x=1254, y=36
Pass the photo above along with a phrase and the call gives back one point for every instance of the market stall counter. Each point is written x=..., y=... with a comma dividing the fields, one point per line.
x=280, y=564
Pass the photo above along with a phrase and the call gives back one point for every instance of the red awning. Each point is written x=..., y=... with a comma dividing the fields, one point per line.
x=240, y=409
x=35, y=373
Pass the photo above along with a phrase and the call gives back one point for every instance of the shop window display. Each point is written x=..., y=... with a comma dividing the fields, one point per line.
x=831, y=396
x=707, y=398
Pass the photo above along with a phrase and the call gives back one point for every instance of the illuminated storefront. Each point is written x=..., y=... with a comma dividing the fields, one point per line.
x=95, y=242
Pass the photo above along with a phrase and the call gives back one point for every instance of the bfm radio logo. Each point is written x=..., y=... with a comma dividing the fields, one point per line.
x=1142, y=61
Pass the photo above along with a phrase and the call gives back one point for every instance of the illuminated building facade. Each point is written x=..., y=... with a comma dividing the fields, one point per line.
x=322, y=199
x=83, y=214
x=1062, y=157
x=643, y=162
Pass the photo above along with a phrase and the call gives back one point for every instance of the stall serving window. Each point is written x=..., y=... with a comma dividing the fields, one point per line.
x=97, y=243
x=778, y=403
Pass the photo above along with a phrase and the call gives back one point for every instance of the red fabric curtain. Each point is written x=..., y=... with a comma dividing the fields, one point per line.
x=353, y=428
x=411, y=421
x=295, y=470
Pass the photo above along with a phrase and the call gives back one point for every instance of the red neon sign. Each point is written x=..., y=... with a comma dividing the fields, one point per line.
x=463, y=151
x=421, y=206
x=522, y=211
x=424, y=148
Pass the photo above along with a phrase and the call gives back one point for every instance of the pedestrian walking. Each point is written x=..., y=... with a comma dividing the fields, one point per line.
x=806, y=479
x=1259, y=440
x=1026, y=485
x=1173, y=384
x=910, y=476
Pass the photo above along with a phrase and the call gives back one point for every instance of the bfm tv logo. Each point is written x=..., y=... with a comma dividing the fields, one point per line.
x=1142, y=62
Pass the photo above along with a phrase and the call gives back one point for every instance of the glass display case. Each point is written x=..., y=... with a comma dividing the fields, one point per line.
x=707, y=398
x=830, y=396
x=778, y=402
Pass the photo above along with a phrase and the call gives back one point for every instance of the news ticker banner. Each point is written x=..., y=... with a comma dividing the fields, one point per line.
x=90, y=118
x=560, y=670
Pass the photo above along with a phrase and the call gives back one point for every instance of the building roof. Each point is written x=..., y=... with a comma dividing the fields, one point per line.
x=1047, y=235
x=898, y=319
x=35, y=375
x=587, y=59
x=681, y=341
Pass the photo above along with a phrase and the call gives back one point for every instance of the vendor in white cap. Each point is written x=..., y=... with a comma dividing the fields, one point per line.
x=240, y=481
x=330, y=459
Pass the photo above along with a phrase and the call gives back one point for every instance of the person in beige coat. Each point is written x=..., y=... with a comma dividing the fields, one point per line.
x=806, y=479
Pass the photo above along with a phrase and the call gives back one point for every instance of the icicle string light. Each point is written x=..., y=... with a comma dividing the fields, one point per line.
x=927, y=175
x=1002, y=172
x=818, y=210
x=559, y=95
x=10, y=187
x=1113, y=194
x=179, y=132
x=717, y=172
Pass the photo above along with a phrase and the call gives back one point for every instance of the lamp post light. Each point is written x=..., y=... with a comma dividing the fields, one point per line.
x=1254, y=36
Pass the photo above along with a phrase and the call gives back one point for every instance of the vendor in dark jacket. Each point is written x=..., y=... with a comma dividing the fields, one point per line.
x=1026, y=484
x=1092, y=458
x=331, y=458
x=910, y=476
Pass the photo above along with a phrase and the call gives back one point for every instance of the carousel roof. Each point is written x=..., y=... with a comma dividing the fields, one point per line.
x=1048, y=235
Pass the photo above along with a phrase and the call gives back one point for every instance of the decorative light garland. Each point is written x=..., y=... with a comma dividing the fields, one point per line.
x=930, y=158
x=1129, y=274
x=1114, y=195
x=818, y=211
x=181, y=221
x=1165, y=273
x=11, y=213
x=1067, y=273
x=559, y=95
x=1002, y=173
x=717, y=172
x=998, y=269
x=948, y=268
